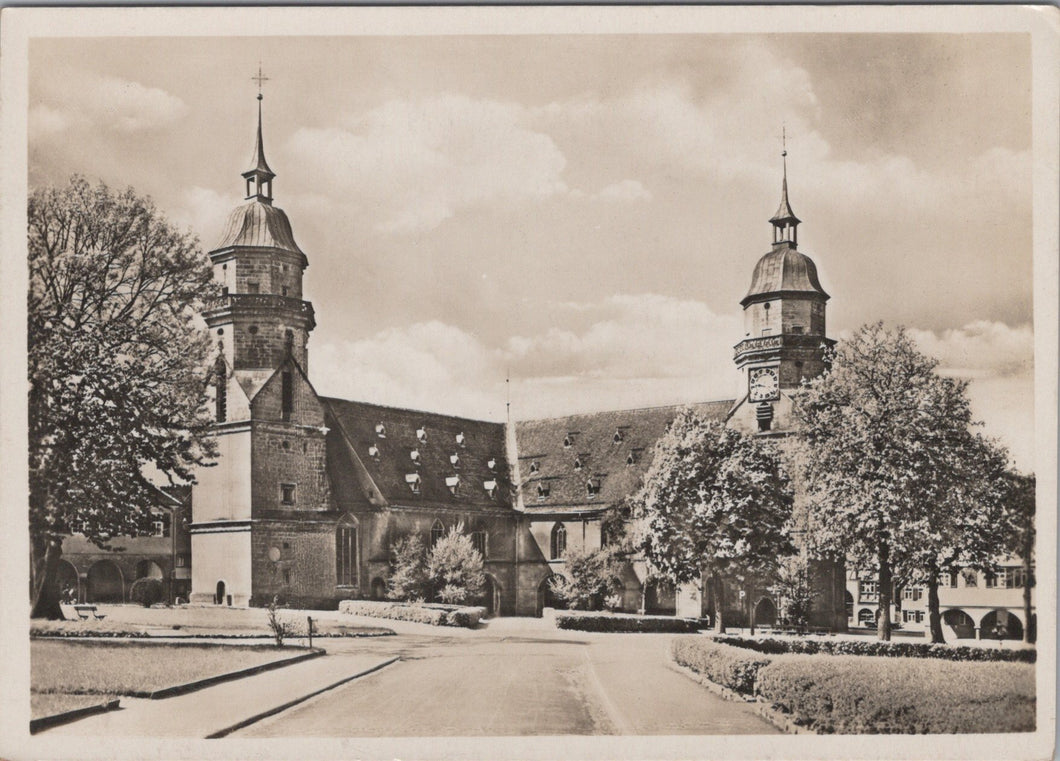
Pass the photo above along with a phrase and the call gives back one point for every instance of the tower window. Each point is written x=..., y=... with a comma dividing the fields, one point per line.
x=253, y=287
x=797, y=329
x=253, y=330
x=220, y=391
x=287, y=494
x=288, y=341
x=286, y=575
x=287, y=395
x=284, y=290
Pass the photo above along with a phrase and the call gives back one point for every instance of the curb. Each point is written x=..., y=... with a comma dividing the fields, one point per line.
x=210, y=681
x=291, y=703
x=176, y=635
x=47, y=722
x=778, y=719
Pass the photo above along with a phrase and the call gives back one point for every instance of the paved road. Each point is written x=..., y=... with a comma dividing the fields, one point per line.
x=516, y=683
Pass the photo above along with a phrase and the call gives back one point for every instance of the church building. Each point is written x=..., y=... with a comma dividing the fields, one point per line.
x=310, y=492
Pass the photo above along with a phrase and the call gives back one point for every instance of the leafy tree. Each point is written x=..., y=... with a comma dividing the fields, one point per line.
x=1019, y=513
x=895, y=477
x=408, y=570
x=454, y=568
x=714, y=505
x=591, y=577
x=117, y=360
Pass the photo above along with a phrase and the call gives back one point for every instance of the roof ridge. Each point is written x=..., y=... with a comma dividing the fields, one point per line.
x=410, y=409
x=627, y=409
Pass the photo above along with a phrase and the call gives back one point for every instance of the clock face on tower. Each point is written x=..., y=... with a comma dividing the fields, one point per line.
x=763, y=384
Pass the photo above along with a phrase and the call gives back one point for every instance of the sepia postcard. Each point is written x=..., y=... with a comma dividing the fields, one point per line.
x=534, y=382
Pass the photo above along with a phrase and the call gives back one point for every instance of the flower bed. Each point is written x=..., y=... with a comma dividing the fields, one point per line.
x=849, y=694
x=617, y=622
x=875, y=647
x=422, y=613
x=725, y=665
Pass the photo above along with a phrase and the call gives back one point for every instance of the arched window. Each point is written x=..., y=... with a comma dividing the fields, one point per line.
x=346, y=552
x=437, y=532
x=559, y=541
x=220, y=382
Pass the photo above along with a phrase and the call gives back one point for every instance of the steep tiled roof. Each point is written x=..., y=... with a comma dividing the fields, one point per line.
x=259, y=224
x=603, y=456
x=392, y=465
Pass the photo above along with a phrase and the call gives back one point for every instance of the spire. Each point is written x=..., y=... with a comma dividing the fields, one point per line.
x=259, y=177
x=785, y=223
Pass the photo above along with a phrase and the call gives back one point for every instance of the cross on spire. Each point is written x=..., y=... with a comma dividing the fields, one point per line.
x=260, y=79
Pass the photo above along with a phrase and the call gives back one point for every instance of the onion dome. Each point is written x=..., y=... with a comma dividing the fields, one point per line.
x=259, y=225
x=784, y=271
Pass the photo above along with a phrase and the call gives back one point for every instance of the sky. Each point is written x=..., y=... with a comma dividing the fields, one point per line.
x=582, y=213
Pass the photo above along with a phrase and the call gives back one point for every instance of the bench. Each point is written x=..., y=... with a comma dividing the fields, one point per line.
x=83, y=612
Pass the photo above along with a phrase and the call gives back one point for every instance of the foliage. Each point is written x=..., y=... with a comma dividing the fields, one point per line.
x=829, y=646
x=117, y=365
x=714, y=502
x=280, y=628
x=408, y=570
x=589, y=578
x=147, y=592
x=588, y=622
x=851, y=694
x=728, y=666
x=1019, y=517
x=895, y=477
x=421, y=613
x=454, y=568
x=615, y=527
x=791, y=584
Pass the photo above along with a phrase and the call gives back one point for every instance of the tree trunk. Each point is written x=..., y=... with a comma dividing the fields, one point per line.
x=719, y=605
x=46, y=583
x=934, y=616
x=1027, y=581
x=883, y=619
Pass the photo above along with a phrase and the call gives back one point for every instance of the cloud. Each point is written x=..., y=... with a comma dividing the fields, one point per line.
x=625, y=191
x=204, y=210
x=87, y=100
x=413, y=164
x=980, y=349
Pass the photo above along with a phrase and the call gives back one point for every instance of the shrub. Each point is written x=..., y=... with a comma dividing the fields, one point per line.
x=280, y=628
x=591, y=576
x=847, y=694
x=421, y=613
x=607, y=622
x=454, y=568
x=809, y=646
x=408, y=570
x=722, y=664
x=146, y=591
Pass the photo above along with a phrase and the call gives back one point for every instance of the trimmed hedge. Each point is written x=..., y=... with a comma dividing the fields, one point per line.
x=614, y=622
x=723, y=664
x=421, y=613
x=850, y=694
x=875, y=647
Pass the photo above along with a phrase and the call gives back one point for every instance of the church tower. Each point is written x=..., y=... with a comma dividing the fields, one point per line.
x=784, y=326
x=269, y=421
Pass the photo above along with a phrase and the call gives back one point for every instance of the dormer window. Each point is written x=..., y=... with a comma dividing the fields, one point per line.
x=421, y=435
x=592, y=487
x=632, y=459
x=577, y=463
x=414, y=455
x=452, y=482
x=373, y=452
x=534, y=467
x=454, y=459
x=490, y=487
x=617, y=438
x=413, y=480
x=568, y=441
x=460, y=442
x=491, y=463
x=380, y=430
x=543, y=490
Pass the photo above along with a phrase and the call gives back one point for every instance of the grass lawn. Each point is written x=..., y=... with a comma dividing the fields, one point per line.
x=49, y=704
x=97, y=668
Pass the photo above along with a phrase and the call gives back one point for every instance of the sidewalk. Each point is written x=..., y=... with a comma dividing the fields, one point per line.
x=215, y=709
